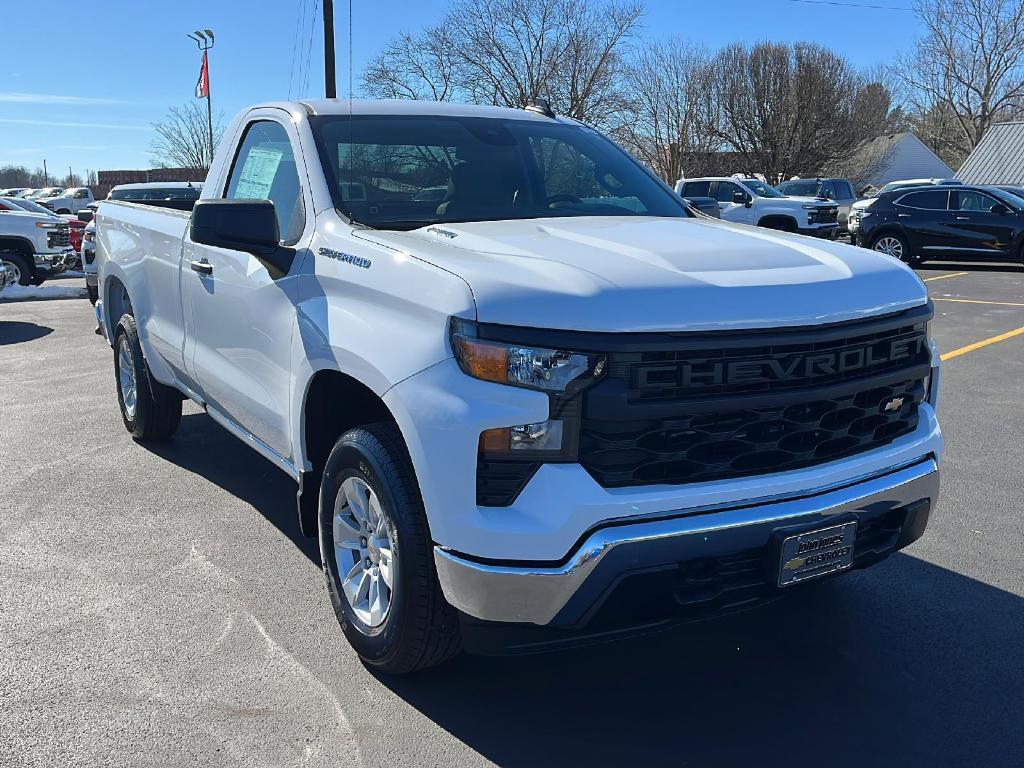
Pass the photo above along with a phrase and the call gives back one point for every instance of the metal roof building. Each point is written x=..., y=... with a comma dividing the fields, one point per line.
x=999, y=158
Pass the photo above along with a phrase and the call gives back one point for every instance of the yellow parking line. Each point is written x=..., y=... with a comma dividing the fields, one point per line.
x=980, y=301
x=982, y=343
x=943, y=277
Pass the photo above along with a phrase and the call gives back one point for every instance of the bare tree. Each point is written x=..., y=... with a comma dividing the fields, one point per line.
x=665, y=122
x=967, y=72
x=792, y=110
x=512, y=52
x=183, y=140
x=420, y=67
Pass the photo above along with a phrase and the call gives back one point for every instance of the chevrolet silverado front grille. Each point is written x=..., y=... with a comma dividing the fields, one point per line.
x=59, y=238
x=725, y=407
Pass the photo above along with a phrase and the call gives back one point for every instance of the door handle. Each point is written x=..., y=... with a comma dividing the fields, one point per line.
x=963, y=218
x=202, y=267
x=903, y=215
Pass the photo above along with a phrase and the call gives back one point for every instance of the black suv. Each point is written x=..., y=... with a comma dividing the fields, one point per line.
x=947, y=222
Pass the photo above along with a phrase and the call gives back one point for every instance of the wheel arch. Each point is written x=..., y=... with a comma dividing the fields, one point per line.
x=332, y=403
x=889, y=228
x=116, y=303
x=788, y=222
x=14, y=243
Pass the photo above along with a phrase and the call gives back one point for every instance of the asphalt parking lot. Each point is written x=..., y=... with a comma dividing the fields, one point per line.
x=159, y=607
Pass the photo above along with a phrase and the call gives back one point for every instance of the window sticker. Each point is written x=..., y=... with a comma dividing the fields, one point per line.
x=258, y=174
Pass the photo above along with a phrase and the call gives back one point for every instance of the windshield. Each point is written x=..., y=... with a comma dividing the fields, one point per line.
x=801, y=188
x=28, y=205
x=405, y=172
x=1017, y=193
x=1012, y=199
x=762, y=189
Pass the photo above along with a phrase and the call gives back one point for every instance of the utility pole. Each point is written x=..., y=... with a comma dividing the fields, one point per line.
x=204, y=41
x=46, y=175
x=330, y=82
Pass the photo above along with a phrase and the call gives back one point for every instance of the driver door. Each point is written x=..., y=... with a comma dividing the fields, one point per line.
x=729, y=196
x=242, y=319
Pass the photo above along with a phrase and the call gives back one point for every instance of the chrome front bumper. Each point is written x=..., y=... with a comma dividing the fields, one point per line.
x=545, y=593
x=53, y=263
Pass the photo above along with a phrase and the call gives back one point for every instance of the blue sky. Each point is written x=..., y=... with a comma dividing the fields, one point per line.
x=110, y=68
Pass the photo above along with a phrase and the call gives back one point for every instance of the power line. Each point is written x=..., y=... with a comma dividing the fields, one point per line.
x=295, y=44
x=309, y=51
x=854, y=5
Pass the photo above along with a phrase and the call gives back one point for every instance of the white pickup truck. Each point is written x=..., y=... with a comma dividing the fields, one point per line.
x=547, y=406
x=69, y=201
x=752, y=201
x=33, y=246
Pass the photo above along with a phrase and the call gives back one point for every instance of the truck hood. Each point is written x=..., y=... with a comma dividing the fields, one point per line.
x=820, y=201
x=658, y=274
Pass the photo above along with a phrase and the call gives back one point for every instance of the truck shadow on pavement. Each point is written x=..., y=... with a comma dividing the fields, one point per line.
x=905, y=664
x=908, y=664
x=17, y=332
x=203, y=448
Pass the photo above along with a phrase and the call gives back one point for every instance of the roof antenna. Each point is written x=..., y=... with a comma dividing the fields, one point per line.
x=539, y=107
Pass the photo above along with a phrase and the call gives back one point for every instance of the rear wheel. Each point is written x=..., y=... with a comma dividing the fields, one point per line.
x=377, y=555
x=895, y=245
x=150, y=410
x=19, y=267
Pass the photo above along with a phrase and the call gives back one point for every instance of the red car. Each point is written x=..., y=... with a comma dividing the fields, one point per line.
x=77, y=229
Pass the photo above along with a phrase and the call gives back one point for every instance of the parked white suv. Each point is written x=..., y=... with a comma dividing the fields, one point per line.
x=552, y=406
x=752, y=201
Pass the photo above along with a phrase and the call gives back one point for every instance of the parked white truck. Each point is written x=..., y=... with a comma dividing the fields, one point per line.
x=549, y=407
x=752, y=201
x=68, y=201
x=33, y=246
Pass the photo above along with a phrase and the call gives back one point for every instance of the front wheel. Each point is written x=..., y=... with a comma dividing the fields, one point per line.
x=151, y=411
x=377, y=555
x=19, y=267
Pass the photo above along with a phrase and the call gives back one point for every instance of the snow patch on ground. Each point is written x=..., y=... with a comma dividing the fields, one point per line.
x=48, y=290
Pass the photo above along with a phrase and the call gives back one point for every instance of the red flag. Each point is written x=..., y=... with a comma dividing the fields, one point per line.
x=203, y=84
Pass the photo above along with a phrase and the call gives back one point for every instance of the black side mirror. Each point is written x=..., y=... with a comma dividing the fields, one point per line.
x=740, y=197
x=999, y=209
x=242, y=225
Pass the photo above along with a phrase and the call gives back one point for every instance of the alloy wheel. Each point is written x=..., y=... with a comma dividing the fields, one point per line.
x=13, y=273
x=127, y=377
x=890, y=246
x=364, y=551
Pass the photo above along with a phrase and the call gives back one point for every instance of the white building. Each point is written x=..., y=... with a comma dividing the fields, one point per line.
x=893, y=157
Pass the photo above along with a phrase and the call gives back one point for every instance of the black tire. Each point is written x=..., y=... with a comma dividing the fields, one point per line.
x=420, y=628
x=63, y=211
x=22, y=263
x=157, y=410
x=94, y=293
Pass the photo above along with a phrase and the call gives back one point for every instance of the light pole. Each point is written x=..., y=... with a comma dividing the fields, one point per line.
x=204, y=40
x=330, y=84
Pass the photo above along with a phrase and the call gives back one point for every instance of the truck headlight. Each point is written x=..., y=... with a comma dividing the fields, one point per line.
x=532, y=367
x=48, y=225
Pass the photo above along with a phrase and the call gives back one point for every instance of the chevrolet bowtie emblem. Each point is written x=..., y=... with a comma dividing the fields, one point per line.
x=893, y=405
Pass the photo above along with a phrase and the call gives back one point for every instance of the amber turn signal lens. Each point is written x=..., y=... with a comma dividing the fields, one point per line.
x=496, y=440
x=483, y=360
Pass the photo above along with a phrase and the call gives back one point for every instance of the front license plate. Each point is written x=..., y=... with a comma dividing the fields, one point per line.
x=816, y=553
